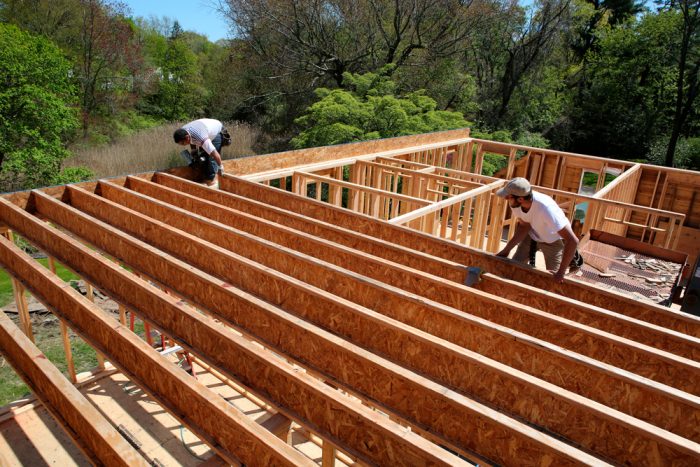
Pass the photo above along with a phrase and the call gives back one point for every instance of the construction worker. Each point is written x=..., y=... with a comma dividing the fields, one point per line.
x=539, y=218
x=204, y=137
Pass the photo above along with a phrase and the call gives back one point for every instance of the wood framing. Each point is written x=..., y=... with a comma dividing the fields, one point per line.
x=216, y=421
x=351, y=293
x=466, y=256
x=99, y=440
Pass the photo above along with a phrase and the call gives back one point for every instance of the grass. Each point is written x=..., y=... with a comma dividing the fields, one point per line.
x=153, y=149
x=47, y=336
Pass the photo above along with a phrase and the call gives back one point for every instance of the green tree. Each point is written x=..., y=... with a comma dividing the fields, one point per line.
x=179, y=92
x=370, y=109
x=629, y=96
x=37, y=113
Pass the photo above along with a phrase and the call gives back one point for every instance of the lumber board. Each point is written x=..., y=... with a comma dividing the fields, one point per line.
x=283, y=160
x=211, y=203
x=75, y=414
x=462, y=254
x=369, y=436
x=197, y=251
x=668, y=369
x=230, y=433
x=431, y=406
x=495, y=306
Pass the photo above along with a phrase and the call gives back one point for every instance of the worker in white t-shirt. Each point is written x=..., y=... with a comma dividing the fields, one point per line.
x=540, y=218
x=205, y=140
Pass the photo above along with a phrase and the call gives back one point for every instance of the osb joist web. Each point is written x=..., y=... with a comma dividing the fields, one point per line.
x=402, y=363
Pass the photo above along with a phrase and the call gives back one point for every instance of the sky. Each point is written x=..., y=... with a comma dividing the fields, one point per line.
x=193, y=15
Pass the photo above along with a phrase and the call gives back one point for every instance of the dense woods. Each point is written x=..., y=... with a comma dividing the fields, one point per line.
x=614, y=78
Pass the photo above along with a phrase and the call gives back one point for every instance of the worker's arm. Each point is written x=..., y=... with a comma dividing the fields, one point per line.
x=521, y=230
x=217, y=157
x=570, y=245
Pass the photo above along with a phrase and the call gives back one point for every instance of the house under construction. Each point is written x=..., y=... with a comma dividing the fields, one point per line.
x=342, y=305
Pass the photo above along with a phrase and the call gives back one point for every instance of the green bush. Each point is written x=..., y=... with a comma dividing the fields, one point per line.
x=370, y=109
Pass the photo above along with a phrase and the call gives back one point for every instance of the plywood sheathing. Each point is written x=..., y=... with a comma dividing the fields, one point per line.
x=467, y=256
x=367, y=434
x=99, y=440
x=288, y=159
x=215, y=421
x=196, y=251
x=211, y=203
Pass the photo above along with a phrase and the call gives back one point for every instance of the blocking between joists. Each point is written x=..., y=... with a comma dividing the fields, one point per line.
x=194, y=248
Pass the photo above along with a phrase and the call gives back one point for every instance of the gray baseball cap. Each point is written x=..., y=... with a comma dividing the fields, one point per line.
x=517, y=187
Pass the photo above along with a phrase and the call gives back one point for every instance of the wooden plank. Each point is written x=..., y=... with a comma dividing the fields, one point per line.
x=301, y=397
x=590, y=315
x=367, y=190
x=215, y=421
x=93, y=434
x=445, y=203
x=639, y=247
x=163, y=236
x=656, y=365
x=67, y=351
x=418, y=241
x=325, y=157
x=430, y=406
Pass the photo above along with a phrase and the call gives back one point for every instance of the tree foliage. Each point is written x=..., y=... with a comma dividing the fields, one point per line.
x=36, y=110
x=370, y=109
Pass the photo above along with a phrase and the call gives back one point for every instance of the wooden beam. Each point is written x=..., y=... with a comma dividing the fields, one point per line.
x=92, y=433
x=272, y=166
x=308, y=344
x=442, y=248
x=210, y=203
x=446, y=203
x=198, y=251
x=303, y=398
x=205, y=413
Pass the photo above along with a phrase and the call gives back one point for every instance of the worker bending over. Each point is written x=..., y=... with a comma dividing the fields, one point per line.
x=205, y=140
x=540, y=218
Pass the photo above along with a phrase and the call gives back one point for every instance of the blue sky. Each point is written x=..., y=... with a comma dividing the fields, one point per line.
x=193, y=15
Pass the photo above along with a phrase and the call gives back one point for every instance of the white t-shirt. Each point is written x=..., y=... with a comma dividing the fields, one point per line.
x=203, y=131
x=545, y=217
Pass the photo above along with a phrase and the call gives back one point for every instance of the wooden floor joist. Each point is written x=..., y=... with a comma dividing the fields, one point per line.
x=227, y=431
x=99, y=440
x=651, y=395
x=452, y=251
x=198, y=252
x=299, y=341
x=356, y=340
x=305, y=399
x=196, y=198
x=678, y=372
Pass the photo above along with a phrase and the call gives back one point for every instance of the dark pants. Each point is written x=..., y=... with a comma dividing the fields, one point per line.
x=206, y=164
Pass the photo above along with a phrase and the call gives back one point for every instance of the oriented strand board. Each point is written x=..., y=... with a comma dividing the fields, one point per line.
x=220, y=208
x=299, y=396
x=268, y=285
x=214, y=420
x=654, y=314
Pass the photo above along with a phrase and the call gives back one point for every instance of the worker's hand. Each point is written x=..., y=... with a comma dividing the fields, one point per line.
x=559, y=277
x=503, y=253
x=221, y=170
